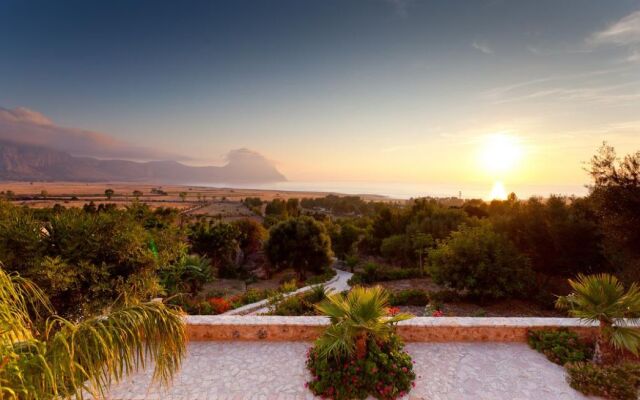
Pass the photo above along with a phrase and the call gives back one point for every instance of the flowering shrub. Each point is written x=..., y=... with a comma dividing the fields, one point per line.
x=386, y=372
x=219, y=305
x=560, y=346
x=437, y=313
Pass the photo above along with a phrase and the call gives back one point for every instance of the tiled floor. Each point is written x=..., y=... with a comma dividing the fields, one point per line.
x=276, y=370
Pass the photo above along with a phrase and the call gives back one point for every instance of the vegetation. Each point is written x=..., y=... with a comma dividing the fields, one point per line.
x=560, y=346
x=481, y=263
x=360, y=345
x=372, y=272
x=602, y=299
x=617, y=382
x=299, y=243
x=35, y=345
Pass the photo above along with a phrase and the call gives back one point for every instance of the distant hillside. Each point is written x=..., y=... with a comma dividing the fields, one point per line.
x=22, y=162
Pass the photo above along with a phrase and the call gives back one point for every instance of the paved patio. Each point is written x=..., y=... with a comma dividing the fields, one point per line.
x=276, y=370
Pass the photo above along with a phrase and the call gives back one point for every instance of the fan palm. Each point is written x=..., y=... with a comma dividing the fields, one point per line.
x=602, y=298
x=360, y=315
x=43, y=356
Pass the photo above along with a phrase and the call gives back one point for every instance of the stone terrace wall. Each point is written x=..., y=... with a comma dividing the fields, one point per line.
x=419, y=329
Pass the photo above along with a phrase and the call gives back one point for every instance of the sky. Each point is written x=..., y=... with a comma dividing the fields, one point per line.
x=396, y=91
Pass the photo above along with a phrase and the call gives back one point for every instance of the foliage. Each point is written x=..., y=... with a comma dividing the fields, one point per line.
x=219, y=305
x=321, y=278
x=251, y=235
x=386, y=372
x=409, y=297
x=616, y=382
x=344, y=237
x=615, y=198
x=481, y=263
x=602, y=298
x=339, y=204
x=299, y=243
x=302, y=304
x=85, y=260
x=560, y=346
x=355, y=317
x=373, y=272
x=36, y=359
x=219, y=241
x=188, y=274
x=109, y=193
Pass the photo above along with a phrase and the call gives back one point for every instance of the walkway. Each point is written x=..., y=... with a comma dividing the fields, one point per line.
x=337, y=284
x=276, y=371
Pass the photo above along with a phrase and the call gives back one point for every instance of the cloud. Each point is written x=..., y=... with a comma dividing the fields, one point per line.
x=482, y=46
x=22, y=125
x=626, y=31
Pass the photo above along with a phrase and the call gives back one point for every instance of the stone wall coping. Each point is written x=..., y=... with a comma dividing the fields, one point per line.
x=515, y=322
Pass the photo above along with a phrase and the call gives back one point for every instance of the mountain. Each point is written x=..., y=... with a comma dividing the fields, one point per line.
x=25, y=162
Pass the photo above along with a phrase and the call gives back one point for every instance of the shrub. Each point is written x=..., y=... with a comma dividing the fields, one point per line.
x=373, y=272
x=409, y=297
x=560, y=346
x=482, y=263
x=219, y=305
x=618, y=382
x=386, y=372
x=324, y=277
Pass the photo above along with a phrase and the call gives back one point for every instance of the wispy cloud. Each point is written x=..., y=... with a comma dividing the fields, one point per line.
x=482, y=46
x=625, y=31
x=22, y=125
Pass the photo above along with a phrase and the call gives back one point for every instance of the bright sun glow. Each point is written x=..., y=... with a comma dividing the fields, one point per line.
x=498, y=192
x=501, y=153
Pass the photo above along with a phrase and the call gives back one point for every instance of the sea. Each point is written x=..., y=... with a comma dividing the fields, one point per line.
x=403, y=190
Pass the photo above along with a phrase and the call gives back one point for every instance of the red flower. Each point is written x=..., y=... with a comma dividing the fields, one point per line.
x=438, y=313
x=219, y=305
x=393, y=311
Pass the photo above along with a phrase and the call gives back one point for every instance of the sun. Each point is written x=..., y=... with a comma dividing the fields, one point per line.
x=498, y=192
x=501, y=153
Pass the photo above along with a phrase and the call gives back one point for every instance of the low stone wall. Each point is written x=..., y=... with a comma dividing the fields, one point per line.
x=419, y=329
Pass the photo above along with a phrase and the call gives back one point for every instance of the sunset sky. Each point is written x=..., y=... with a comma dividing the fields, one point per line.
x=333, y=90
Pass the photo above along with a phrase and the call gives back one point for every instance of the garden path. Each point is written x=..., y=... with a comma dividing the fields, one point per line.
x=276, y=371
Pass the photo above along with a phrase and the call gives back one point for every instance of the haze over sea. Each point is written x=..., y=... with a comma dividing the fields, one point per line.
x=403, y=190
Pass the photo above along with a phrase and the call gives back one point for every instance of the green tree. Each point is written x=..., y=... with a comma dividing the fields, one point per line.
x=137, y=194
x=251, y=235
x=482, y=263
x=602, y=298
x=183, y=196
x=615, y=195
x=109, y=193
x=189, y=274
x=35, y=345
x=44, y=194
x=300, y=243
x=219, y=241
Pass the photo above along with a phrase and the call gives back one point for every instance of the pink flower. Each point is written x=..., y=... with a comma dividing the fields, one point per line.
x=438, y=313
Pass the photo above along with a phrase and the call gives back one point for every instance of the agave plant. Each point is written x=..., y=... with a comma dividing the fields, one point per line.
x=43, y=356
x=356, y=317
x=602, y=298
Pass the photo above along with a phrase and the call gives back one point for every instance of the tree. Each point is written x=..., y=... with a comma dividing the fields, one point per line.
x=480, y=262
x=601, y=298
x=35, y=345
x=219, y=242
x=300, y=243
x=251, y=235
x=109, y=193
x=615, y=196
x=189, y=274
x=137, y=194
x=356, y=317
x=183, y=196
x=44, y=194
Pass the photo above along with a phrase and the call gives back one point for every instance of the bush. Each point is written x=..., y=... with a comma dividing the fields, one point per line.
x=560, y=346
x=322, y=278
x=618, y=382
x=481, y=263
x=373, y=272
x=385, y=373
x=219, y=305
x=409, y=297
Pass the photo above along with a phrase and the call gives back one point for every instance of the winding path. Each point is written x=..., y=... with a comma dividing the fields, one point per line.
x=338, y=283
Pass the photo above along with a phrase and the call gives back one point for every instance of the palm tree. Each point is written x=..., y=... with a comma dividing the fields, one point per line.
x=43, y=356
x=601, y=298
x=360, y=315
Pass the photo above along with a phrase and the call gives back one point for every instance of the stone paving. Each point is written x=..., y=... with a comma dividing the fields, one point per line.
x=276, y=370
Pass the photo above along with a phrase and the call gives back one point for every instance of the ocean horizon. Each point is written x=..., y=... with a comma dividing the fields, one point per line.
x=403, y=190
